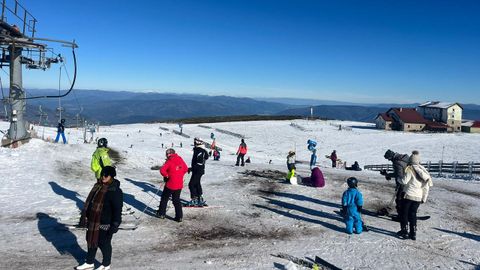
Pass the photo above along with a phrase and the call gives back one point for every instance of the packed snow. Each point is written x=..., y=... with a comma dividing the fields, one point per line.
x=255, y=214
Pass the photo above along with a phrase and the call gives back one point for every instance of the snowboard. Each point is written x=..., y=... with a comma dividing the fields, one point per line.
x=204, y=206
x=325, y=265
x=124, y=227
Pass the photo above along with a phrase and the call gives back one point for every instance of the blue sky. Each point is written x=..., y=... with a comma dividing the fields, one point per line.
x=364, y=51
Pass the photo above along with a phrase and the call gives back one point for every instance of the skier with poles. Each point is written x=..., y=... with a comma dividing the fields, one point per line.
x=102, y=216
x=172, y=171
x=197, y=169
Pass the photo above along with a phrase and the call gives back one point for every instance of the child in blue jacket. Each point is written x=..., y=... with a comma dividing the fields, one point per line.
x=352, y=202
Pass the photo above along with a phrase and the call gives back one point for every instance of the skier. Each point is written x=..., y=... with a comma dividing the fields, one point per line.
x=100, y=157
x=291, y=165
x=61, y=131
x=312, y=148
x=399, y=162
x=417, y=182
x=102, y=216
x=241, y=152
x=352, y=202
x=199, y=158
x=333, y=157
x=172, y=171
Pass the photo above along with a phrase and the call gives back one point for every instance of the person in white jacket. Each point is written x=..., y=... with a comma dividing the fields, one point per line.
x=416, y=184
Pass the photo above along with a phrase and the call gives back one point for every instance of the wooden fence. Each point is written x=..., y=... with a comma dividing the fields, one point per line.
x=455, y=169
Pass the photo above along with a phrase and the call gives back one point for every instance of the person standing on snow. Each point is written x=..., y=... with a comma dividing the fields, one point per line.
x=417, y=182
x=333, y=157
x=100, y=158
x=61, y=131
x=352, y=203
x=199, y=158
x=291, y=165
x=172, y=171
x=241, y=152
x=399, y=162
x=102, y=216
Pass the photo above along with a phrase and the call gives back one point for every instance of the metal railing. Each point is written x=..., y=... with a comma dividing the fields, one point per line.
x=441, y=168
x=26, y=19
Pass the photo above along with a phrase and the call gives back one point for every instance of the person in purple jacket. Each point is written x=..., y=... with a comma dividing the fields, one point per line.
x=316, y=179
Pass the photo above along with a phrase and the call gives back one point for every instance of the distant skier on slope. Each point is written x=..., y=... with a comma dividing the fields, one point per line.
x=241, y=152
x=102, y=216
x=352, y=203
x=100, y=157
x=399, y=162
x=61, y=131
x=417, y=182
x=172, y=171
x=199, y=158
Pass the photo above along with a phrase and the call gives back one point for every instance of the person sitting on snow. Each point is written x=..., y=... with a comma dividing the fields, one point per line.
x=352, y=203
x=354, y=167
x=316, y=179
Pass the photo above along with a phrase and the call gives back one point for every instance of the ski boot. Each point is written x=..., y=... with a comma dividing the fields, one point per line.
x=192, y=203
x=201, y=202
x=413, y=232
x=85, y=266
x=403, y=233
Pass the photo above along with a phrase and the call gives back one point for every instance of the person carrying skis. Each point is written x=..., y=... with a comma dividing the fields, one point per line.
x=291, y=165
x=417, y=182
x=61, y=131
x=241, y=152
x=352, y=203
x=102, y=216
x=172, y=171
x=199, y=158
x=100, y=158
x=333, y=157
x=399, y=162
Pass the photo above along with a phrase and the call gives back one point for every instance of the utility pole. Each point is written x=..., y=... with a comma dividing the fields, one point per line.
x=17, y=129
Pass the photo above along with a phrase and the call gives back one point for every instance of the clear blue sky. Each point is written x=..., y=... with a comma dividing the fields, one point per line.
x=364, y=51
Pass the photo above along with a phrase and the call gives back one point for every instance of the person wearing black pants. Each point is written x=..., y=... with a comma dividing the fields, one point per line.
x=105, y=245
x=176, y=203
x=241, y=152
x=416, y=182
x=199, y=158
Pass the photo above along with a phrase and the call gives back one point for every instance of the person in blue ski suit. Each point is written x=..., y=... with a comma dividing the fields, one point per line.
x=311, y=147
x=352, y=202
x=61, y=131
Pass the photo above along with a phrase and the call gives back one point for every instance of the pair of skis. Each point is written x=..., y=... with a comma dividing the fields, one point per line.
x=318, y=264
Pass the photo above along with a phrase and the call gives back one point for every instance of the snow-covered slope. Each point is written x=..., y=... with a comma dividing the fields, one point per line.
x=44, y=185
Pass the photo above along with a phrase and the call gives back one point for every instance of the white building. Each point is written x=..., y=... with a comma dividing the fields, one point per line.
x=448, y=113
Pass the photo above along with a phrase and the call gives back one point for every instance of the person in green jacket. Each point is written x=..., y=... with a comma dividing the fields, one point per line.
x=100, y=158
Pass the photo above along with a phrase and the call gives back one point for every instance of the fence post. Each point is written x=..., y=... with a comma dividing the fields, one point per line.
x=455, y=163
x=470, y=169
x=440, y=164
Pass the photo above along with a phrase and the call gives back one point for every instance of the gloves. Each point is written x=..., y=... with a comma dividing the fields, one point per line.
x=165, y=179
x=343, y=212
x=189, y=170
x=383, y=172
x=359, y=208
x=114, y=227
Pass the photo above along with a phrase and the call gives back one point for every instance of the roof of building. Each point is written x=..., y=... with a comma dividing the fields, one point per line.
x=385, y=117
x=408, y=115
x=438, y=104
x=436, y=125
x=476, y=124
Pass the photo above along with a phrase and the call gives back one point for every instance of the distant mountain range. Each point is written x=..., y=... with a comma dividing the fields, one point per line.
x=122, y=107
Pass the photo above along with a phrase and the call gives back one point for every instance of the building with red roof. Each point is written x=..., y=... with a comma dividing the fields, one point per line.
x=383, y=121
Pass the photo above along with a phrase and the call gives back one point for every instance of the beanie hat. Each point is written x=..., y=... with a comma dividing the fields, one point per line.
x=414, y=158
x=109, y=171
x=389, y=154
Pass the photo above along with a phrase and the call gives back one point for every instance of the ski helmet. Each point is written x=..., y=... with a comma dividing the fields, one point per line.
x=102, y=142
x=197, y=142
x=352, y=182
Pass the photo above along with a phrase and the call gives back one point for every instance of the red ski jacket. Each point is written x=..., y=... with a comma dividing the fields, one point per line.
x=242, y=149
x=174, y=169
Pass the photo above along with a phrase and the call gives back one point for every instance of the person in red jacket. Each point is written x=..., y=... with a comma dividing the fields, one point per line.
x=333, y=157
x=241, y=152
x=172, y=171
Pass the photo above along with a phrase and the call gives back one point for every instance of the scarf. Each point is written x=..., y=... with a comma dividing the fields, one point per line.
x=95, y=197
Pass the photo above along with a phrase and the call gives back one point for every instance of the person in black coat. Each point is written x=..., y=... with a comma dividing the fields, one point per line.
x=200, y=155
x=61, y=131
x=399, y=163
x=354, y=167
x=102, y=215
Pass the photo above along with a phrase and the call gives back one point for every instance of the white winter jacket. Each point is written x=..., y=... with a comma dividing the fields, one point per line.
x=417, y=182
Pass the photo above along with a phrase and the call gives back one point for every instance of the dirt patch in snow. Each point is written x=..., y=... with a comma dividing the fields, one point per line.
x=116, y=157
x=74, y=170
x=461, y=191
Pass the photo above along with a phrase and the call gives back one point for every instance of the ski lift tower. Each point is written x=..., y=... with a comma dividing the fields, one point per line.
x=17, y=37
